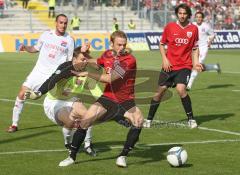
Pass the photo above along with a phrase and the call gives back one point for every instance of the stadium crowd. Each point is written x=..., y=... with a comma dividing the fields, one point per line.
x=223, y=14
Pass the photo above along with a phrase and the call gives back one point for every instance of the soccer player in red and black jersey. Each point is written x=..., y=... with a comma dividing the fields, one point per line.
x=117, y=101
x=181, y=39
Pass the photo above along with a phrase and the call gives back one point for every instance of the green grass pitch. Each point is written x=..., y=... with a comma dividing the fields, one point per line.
x=213, y=148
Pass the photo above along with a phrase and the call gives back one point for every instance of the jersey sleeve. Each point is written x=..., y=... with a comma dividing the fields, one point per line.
x=100, y=61
x=164, y=36
x=63, y=71
x=40, y=42
x=196, y=38
x=210, y=31
x=70, y=50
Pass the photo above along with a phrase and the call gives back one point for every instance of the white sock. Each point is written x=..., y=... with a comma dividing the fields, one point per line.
x=67, y=135
x=211, y=67
x=17, y=109
x=192, y=78
x=88, y=138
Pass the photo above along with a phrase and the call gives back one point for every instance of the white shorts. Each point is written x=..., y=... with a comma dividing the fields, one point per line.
x=35, y=79
x=51, y=108
x=203, y=53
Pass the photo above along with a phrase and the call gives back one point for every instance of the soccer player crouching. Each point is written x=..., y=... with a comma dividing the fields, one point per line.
x=118, y=100
x=61, y=104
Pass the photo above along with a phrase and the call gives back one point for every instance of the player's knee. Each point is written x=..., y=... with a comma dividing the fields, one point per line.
x=181, y=91
x=21, y=95
x=139, y=121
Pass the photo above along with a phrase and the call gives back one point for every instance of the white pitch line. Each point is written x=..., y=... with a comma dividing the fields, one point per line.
x=30, y=103
x=218, y=130
x=119, y=147
x=199, y=127
x=236, y=90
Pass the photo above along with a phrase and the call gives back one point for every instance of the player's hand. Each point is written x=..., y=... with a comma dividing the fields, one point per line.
x=85, y=47
x=29, y=94
x=166, y=65
x=198, y=67
x=80, y=74
x=125, y=51
x=21, y=47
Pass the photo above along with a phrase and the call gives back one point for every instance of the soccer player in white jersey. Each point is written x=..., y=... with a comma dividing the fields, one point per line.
x=54, y=47
x=206, y=36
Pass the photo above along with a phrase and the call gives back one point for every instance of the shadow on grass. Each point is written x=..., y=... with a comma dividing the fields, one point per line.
x=214, y=87
x=150, y=154
x=25, y=137
x=220, y=86
x=206, y=118
x=38, y=127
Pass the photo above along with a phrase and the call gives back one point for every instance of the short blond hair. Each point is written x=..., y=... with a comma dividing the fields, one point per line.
x=116, y=34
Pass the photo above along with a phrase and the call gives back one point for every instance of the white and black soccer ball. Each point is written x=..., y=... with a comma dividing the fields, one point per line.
x=177, y=156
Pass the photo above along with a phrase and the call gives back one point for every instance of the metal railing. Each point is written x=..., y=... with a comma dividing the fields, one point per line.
x=98, y=16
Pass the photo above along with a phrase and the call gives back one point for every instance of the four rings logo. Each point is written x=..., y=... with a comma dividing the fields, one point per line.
x=181, y=41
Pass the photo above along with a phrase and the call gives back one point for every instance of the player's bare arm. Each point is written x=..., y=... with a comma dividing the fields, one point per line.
x=104, y=78
x=166, y=65
x=195, y=56
x=211, y=38
x=30, y=49
x=93, y=63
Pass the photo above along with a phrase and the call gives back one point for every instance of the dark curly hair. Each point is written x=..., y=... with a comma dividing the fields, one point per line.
x=186, y=7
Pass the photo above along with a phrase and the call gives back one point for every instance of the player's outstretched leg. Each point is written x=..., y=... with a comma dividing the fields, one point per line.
x=132, y=138
x=187, y=105
x=17, y=109
x=151, y=113
x=78, y=139
x=215, y=67
x=192, y=78
x=88, y=146
x=155, y=102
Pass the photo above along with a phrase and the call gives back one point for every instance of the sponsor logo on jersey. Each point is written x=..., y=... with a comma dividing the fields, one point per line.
x=181, y=41
x=189, y=34
x=64, y=43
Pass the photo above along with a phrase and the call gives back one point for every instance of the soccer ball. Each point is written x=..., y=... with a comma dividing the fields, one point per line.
x=177, y=156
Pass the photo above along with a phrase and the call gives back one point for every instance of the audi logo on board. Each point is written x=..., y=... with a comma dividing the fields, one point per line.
x=181, y=41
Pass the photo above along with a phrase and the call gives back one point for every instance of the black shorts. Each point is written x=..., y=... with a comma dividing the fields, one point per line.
x=115, y=111
x=171, y=79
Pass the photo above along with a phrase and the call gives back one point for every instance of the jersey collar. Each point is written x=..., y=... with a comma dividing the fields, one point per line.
x=178, y=23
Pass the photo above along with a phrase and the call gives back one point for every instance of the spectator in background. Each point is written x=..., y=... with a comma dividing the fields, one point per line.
x=115, y=26
x=51, y=8
x=131, y=25
x=75, y=22
x=25, y=4
x=228, y=23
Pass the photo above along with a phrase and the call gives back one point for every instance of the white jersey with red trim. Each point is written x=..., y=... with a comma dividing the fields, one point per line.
x=53, y=51
x=204, y=31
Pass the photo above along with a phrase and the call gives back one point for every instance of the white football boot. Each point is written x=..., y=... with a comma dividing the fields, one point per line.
x=121, y=161
x=68, y=161
x=192, y=124
x=147, y=123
